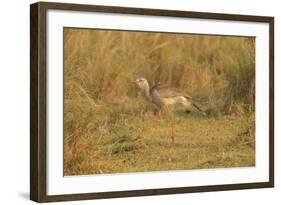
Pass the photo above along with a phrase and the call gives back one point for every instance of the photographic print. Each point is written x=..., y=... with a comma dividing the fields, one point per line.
x=131, y=102
x=138, y=101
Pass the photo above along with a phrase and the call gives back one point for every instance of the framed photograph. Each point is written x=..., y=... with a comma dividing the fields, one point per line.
x=135, y=102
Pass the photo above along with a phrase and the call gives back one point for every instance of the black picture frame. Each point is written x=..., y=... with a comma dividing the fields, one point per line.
x=38, y=100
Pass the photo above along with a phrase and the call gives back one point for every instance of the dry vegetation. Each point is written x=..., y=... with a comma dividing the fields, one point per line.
x=103, y=116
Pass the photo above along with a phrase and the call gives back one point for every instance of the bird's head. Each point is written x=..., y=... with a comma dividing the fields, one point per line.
x=141, y=83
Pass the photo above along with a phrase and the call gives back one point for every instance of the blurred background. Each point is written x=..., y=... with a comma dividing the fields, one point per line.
x=218, y=69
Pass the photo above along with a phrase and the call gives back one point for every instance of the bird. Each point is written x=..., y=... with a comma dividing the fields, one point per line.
x=163, y=96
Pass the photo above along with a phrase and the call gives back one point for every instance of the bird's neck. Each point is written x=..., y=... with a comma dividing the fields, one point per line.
x=146, y=94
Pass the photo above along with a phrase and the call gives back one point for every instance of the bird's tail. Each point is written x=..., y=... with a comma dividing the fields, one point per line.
x=198, y=108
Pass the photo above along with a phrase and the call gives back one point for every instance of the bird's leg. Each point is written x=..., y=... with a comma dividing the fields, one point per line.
x=145, y=129
x=158, y=115
x=171, y=122
x=155, y=121
x=156, y=118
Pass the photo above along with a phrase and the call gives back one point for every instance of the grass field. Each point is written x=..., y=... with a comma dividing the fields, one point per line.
x=113, y=145
x=109, y=129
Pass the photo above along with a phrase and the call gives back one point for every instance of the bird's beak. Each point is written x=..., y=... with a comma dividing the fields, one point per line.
x=134, y=82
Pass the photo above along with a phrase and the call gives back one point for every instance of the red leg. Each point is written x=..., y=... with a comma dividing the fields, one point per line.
x=171, y=122
x=156, y=120
x=158, y=115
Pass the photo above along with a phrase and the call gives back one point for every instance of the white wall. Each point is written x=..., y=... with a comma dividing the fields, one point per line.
x=14, y=103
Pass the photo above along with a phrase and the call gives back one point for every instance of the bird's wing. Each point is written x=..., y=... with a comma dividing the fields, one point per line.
x=166, y=91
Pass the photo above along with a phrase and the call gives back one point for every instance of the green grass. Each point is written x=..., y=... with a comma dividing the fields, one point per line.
x=113, y=141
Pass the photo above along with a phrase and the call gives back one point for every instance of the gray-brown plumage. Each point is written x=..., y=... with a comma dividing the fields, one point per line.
x=163, y=96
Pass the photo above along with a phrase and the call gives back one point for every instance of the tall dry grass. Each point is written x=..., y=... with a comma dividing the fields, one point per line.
x=217, y=69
